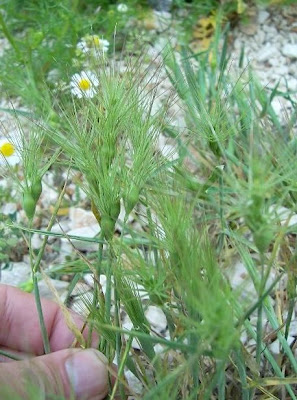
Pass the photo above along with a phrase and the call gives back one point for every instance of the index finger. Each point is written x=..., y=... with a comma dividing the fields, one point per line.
x=19, y=323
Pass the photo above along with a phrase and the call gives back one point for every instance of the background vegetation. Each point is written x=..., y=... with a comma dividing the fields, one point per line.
x=227, y=198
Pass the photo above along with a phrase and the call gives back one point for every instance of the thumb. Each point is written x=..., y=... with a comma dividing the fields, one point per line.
x=73, y=373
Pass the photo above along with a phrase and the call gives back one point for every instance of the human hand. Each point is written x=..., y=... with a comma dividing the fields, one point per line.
x=73, y=373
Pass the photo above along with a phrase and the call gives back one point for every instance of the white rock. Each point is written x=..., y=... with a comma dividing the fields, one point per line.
x=17, y=273
x=9, y=208
x=262, y=16
x=65, y=250
x=249, y=29
x=292, y=84
x=89, y=279
x=271, y=32
x=133, y=382
x=283, y=213
x=80, y=305
x=242, y=283
x=61, y=227
x=84, y=232
x=266, y=53
x=293, y=327
x=274, y=347
x=121, y=217
x=156, y=318
x=260, y=37
x=81, y=218
x=289, y=50
x=49, y=196
x=60, y=286
x=49, y=179
x=278, y=105
x=159, y=349
x=36, y=241
x=128, y=325
x=143, y=294
x=169, y=152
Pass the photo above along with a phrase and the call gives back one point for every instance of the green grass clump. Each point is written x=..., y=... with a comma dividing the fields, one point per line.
x=216, y=204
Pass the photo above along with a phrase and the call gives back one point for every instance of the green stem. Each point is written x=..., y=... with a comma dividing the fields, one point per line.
x=95, y=294
x=221, y=381
x=11, y=356
x=49, y=227
x=289, y=317
x=108, y=288
x=35, y=267
x=260, y=314
x=44, y=333
x=121, y=368
x=241, y=367
x=119, y=343
x=9, y=37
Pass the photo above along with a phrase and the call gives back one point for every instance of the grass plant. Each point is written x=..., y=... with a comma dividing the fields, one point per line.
x=215, y=205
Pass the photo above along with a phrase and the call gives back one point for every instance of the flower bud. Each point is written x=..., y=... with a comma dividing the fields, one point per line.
x=115, y=210
x=132, y=199
x=96, y=212
x=36, y=189
x=107, y=225
x=29, y=204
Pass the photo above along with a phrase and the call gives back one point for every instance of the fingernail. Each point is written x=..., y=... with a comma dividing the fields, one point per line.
x=87, y=374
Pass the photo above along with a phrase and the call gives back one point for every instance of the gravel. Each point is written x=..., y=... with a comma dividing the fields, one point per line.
x=270, y=47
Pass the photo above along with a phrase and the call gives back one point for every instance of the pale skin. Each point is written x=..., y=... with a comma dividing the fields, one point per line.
x=64, y=371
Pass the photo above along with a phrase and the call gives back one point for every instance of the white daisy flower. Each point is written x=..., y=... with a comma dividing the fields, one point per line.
x=93, y=44
x=123, y=8
x=84, y=84
x=8, y=153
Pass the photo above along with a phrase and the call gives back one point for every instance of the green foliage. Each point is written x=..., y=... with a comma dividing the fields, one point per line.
x=215, y=205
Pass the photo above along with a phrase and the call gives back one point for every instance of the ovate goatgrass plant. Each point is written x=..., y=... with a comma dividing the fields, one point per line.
x=240, y=202
x=110, y=137
x=29, y=148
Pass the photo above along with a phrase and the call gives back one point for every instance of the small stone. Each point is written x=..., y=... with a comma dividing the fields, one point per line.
x=156, y=318
x=89, y=279
x=266, y=53
x=249, y=29
x=81, y=304
x=36, y=241
x=292, y=84
x=121, y=218
x=262, y=16
x=16, y=274
x=9, y=208
x=283, y=214
x=45, y=291
x=133, y=382
x=260, y=37
x=61, y=227
x=81, y=218
x=128, y=325
x=168, y=151
x=289, y=50
x=84, y=232
x=49, y=196
x=274, y=347
x=65, y=251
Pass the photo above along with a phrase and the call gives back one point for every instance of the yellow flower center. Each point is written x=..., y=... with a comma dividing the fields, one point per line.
x=84, y=84
x=92, y=41
x=96, y=41
x=7, y=149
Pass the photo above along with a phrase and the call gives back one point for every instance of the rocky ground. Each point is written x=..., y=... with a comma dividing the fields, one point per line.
x=270, y=47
